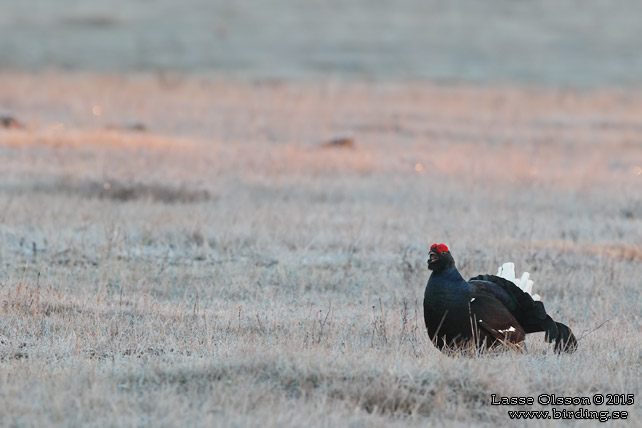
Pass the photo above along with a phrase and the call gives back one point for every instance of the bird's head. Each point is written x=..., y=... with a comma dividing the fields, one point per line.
x=439, y=258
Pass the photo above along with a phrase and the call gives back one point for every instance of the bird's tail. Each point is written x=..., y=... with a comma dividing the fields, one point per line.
x=507, y=271
x=560, y=334
x=565, y=340
x=556, y=332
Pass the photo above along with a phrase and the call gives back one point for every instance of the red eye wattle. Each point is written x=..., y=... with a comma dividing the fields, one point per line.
x=440, y=248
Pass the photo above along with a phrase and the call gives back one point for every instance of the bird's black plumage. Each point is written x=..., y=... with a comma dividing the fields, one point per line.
x=485, y=310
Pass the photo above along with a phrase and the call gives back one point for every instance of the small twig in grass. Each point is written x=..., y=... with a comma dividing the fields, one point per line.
x=416, y=315
x=196, y=305
x=239, y=326
x=404, y=321
x=322, y=323
x=258, y=319
x=379, y=324
x=586, y=333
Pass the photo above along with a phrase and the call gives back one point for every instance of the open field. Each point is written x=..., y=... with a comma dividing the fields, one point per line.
x=183, y=252
x=551, y=42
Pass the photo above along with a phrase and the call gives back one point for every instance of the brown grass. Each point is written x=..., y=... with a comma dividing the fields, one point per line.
x=224, y=269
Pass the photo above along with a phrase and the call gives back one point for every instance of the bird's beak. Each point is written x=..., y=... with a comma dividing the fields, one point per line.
x=432, y=257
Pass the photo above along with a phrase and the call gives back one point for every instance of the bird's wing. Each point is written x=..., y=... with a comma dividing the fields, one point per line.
x=490, y=315
x=530, y=313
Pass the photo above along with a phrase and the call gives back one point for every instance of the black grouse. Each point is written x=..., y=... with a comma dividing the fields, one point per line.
x=487, y=310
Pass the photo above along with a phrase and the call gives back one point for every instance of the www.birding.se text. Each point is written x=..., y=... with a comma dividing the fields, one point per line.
x=582, y=413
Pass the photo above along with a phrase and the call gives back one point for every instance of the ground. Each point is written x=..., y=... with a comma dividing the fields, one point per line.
x=187, y=252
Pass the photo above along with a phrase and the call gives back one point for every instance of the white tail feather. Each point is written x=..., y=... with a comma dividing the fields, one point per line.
x=507, y=271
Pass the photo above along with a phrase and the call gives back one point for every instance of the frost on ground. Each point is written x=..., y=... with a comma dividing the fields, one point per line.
x=219, y=267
